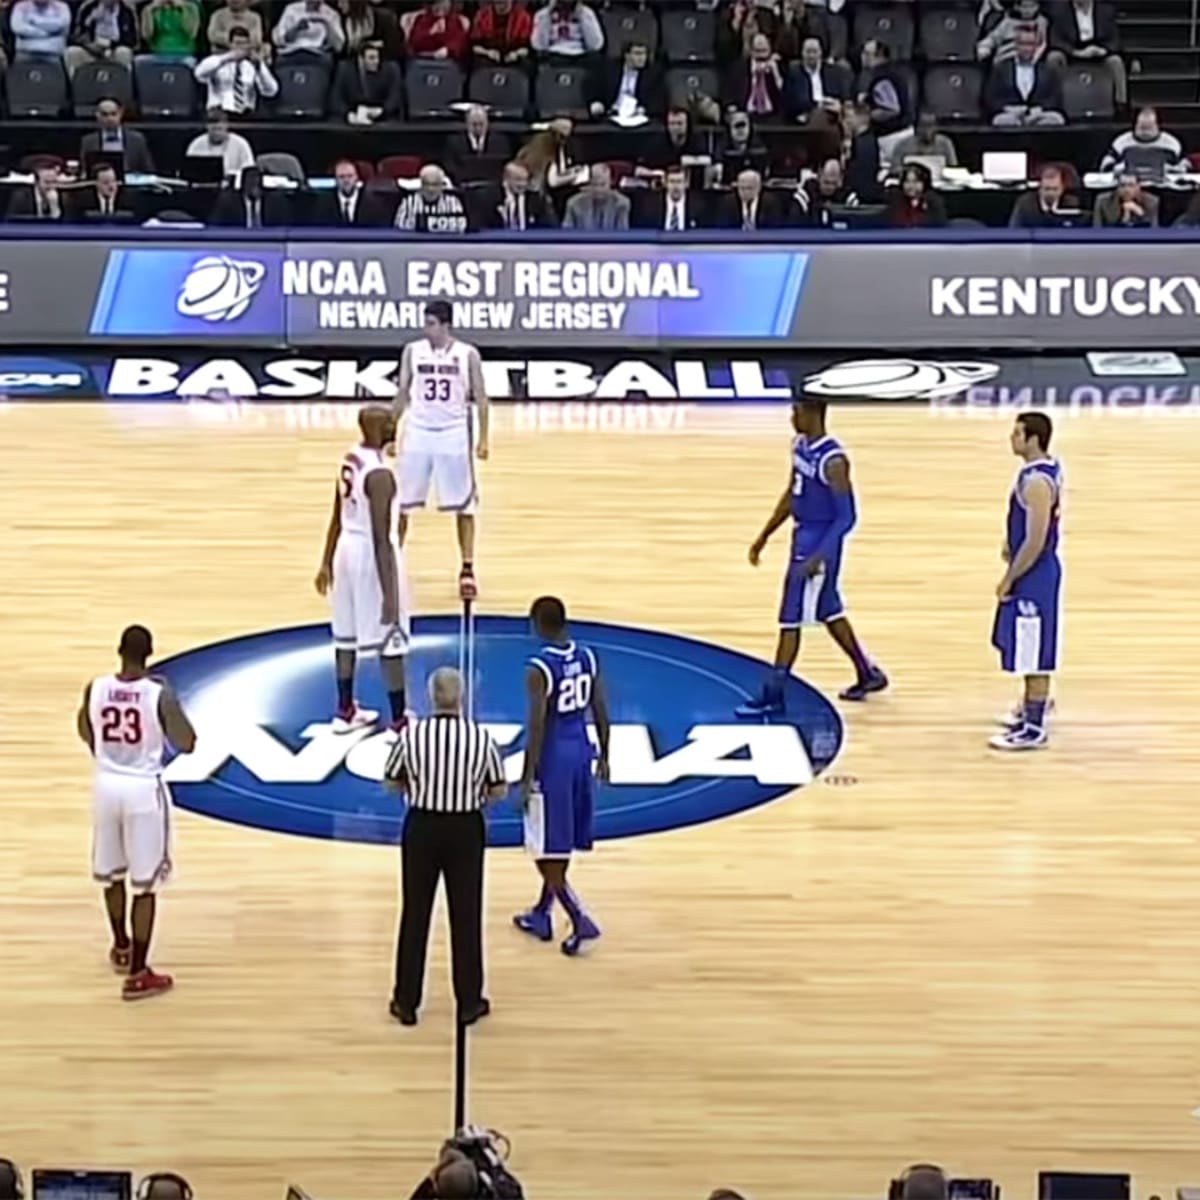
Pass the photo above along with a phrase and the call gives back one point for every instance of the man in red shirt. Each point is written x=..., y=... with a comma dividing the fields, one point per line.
x=437, y=31
x=500, y=31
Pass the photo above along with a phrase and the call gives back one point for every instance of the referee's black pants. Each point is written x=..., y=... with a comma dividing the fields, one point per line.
x=437, y=844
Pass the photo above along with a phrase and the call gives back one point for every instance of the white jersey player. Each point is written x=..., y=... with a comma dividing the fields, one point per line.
x=363, y=567
x=126, y=720
x=440, y=377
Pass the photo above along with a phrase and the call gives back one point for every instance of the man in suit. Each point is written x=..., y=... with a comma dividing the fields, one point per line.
x=43, y=201
x=629, y=86
x=250, y=206
x=474, y=154
x=814, y=86
x=1048, y=206
x=1083, y=31
x=1023, y=91
x=597, y=207
x=673, y=209
x=349, y=205
x=755, y=83
x=108, y=206
x=514, y=207
x=747, y=208
x=111, y=137
x=1129, y=206
x=366, y=89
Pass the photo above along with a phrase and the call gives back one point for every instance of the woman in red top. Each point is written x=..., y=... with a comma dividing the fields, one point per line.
x=500, y=32
x=437, y=31
x=915, y=205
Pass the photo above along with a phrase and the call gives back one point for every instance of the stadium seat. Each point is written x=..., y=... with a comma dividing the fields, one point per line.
x=366, y=169
x=955, y=91
x=890, y=23
x=504, y=91
x=36, y=89
x=683, y=82
x=562, y=90
x=399, y=166
x=431, y=86
x=1088, y=92
x=285, y=165
x=949, y=35
x=303, y=89
x=689, y=35
x=96, y=81
x=164, y=89
x=622, y=25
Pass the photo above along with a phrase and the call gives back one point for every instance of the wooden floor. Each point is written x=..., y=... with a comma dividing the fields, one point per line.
x=994, y=964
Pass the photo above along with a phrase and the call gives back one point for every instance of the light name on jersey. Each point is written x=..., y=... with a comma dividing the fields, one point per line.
x=530, y=295
x=122, y=696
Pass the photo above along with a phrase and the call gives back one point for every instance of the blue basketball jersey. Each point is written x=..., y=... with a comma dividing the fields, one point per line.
x=1018, y=521
x=570, y=674
x=813, y=504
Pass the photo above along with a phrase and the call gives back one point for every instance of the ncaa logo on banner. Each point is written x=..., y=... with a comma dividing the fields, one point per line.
x=219, y=288
x=266, y=755
x=898, y=379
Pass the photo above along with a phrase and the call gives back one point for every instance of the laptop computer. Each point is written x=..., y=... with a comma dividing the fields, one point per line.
x=82, y=1185
x=1005, y=166
x=204, y=168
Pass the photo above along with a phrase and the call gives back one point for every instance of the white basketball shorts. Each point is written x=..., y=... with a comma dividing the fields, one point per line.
x=443, y=457
x=131, y=829
x=357, y=599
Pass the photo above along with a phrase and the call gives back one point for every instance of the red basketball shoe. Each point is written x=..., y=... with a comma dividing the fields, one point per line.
x=145, y=984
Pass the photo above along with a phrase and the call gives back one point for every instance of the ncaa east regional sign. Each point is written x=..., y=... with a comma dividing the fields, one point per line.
x=1079, y=293
x=265, y=755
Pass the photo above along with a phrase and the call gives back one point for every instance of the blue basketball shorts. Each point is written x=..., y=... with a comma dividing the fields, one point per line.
x=812, y=599
x=1026, y=628
x=561, y=815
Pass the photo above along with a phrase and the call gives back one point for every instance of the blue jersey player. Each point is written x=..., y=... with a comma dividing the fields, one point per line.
x=1026, y=627
x=820, y=501
x=562, y=682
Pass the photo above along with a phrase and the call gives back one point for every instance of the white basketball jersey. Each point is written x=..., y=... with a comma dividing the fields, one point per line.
x=352, y=483
x=127, y=732
x=440, y=394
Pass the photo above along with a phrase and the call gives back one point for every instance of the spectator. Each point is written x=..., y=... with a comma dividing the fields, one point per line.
x=234, y=14
x=309, y=31
x=40, y=29
x=501, y=31
x=885, y=93
x=628, y=87
x=824, y=191
x=1146, y=150
x=756, y=83
x=432, y=208
x=1086, y=31
x=747, y=208
x=927, y=142
x=568, y=29
x=862, y=158
x=1047, y=207
x=513, y=206
x=815, y=86
x=108, y=206
x=470, y=155
x=218, y=142
x=915, y=205
x=41, y=202
x=105, y=31
x=349, y=204
x=550, y=156
x=111, y=137
x=795, y=25
x=598, y=208
x=924, y=1182
x=367, y=89
x=743, y=19
x=1000, y=44
x=741, y=148
x=248, y=206
x=1023, y=91
x=170, y=29
x=437, y=31
x=366, y=23
x=673, y=208
x=238, y=77
x=1128, y=206
x=676, y=142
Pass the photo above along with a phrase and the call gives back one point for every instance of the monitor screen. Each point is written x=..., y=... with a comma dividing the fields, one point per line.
x=82, y=1185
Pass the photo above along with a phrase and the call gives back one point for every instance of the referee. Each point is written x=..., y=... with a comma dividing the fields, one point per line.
x=432, y=208
x=450, y=768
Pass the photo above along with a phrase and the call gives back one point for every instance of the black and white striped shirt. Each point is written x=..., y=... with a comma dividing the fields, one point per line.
x=448, y=763
x=420, y=215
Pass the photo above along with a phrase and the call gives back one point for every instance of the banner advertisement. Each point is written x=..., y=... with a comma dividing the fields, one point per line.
x=1031, y=296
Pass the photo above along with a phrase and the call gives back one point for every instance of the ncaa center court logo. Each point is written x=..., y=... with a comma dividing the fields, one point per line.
x=266, y=756
x=219, y=288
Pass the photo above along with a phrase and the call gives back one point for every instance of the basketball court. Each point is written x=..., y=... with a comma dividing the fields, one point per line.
x=931, y=953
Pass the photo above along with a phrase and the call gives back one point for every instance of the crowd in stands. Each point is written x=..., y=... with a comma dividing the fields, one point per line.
x=872, y=89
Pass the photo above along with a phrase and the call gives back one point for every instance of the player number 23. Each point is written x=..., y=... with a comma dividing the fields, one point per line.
x=575, y=694
x=437, y=390
x=121, y=725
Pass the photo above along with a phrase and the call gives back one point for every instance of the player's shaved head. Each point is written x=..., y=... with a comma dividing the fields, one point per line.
x=549, y=615
x=136, y=644
x=378, y=424
x=456, y=1179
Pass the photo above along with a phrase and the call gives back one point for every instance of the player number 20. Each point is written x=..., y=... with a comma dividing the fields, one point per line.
x=574, y=694
x=121, y=725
